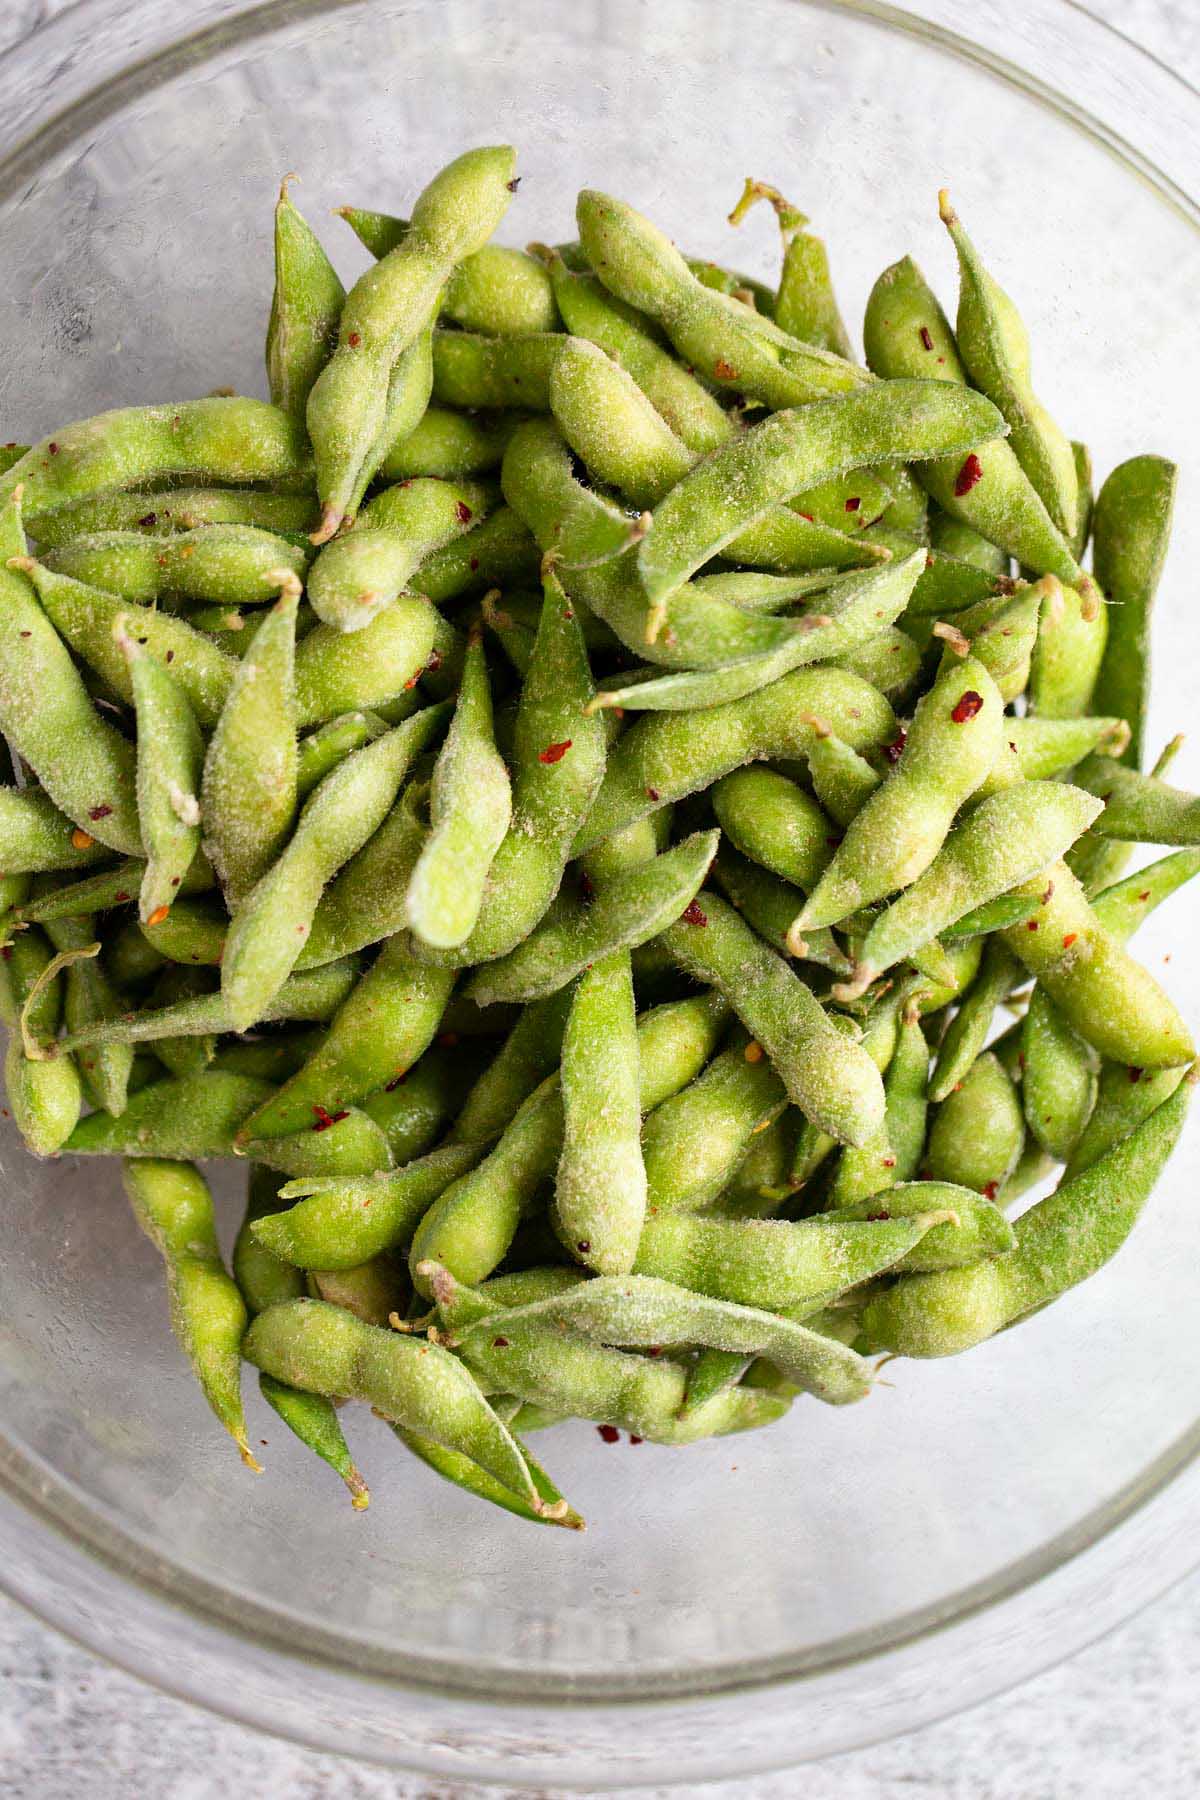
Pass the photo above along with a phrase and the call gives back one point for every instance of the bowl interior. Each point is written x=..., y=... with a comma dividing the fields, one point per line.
x=137, y=268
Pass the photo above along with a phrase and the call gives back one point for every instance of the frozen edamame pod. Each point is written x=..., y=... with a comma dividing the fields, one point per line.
x=305, y=308
x=600, y=1186
x=170, y=753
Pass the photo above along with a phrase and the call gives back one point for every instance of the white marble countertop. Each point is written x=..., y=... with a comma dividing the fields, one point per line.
x=1120, y=1719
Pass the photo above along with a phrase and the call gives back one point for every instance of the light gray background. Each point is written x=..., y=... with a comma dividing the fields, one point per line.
x=1121, y=1719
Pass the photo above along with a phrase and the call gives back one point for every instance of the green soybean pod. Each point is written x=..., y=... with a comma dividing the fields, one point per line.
x=1060, y=1242
x=790, y=451
x=1127, y=904
x=45, y=1097
x=895, y=1156
x=770, y=819
x=952, y=744
x=324, y=1349
x=1139, y=808
x=641, y=1312
x=87, y=617
x=226, y=440
x=974, y=1229
x=828, y=1076
x=414, y=1109
x=627, y=910
x=321, y=750
x=695, y=1141
x=470, y=807
x=590, y=311
x=994, y=346
x=305, y=308
x=217, y=563
x=847, y=616
x=385, y=311
x=191, y=1117
x=1004, y=840
x=268, y=932
x=162, y=512
x=955, y=539
x=558, y=763
x=35, y=837
x=1001, y=633
x=85, y=766
x=173, y=1206
x=381, y=1028
x=90, y=999
x=774, y=1263
x=978, y=1130
x=907, y=335
x=1068, y=655
x=366, y=568
x=600, y=1186
x=663, y=759
x=495, y=289
x=805, y=304
x=340, y=1222
x=1086, y=498
x=1125, y=1097
x=728, y=342
x=345, y=1144
x=968, y=1030
x=463, y=1473
x=170, y=755
x=1058, y=1082
x=1112, y=1001
x=451, y=446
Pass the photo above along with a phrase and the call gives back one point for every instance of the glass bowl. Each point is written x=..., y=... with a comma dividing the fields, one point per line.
x=744, y=1604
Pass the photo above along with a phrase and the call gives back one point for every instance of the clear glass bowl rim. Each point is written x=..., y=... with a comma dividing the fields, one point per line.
x=79, y=1571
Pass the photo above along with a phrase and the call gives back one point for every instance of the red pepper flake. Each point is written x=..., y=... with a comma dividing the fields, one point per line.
x=514, y=184
x=653, y=794
x=170, y=656
x=410, y=683
x=389, y=1087
x=121, y=896
x=326, y=1119
x=1031, y=924
x=654, y=1350
x=609, y=1433
x=554, y=753
x=81, y=840
x=353, y=339
x=895, y=750
x=447, y=1039
x=1021, y=1061
x=968, y=475
x=148, y=519
x=99, y=812
x=6, y=953
x=499, y=1343
x=889, y=1162
x=854, y=502
x=158, y=915
x=25, y=634
x=694, y=914
x=926, y=337
x=1135, y=1073
x=474, y=564
x=1069, y=938
x=584, y=1246
x=587, y=887
x=970, y=704
x=991, y=1189
x=462, y=512
x=53, y=449
x=724, y=371
x=877, y=1218
x=807, y=516
x=434, y=663
x=635, y=1439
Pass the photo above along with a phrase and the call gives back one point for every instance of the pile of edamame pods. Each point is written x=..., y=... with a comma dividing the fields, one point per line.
x=617, y=810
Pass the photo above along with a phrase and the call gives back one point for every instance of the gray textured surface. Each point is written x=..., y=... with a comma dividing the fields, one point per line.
x=1119, y=1720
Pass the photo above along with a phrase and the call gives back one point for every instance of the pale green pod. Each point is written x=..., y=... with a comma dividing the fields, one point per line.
x=600, y=1185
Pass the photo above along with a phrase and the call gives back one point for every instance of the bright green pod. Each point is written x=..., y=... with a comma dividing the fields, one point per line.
x=305, y=308
x=907, y=335
x=1131, y=528
x=366, y=568
x=191, y=1118
x=969, y=1029
x=1058, y=1081
x=86, y=767
x=694, y=1142
x=173, y=1206
x=90, y=999
x=170, y=756
x=450, y=446
x=1068, y=656
x=36, y=838
x=895, y=1155
x=600, y=1184
x=976, y=1228
x=1139, y=808
x=978, y=1130
x=216, y=564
